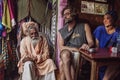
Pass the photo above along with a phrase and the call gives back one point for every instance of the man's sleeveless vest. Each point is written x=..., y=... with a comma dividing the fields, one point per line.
x=74, y=38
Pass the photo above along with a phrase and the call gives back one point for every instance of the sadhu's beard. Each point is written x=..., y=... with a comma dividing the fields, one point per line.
x=35, y=41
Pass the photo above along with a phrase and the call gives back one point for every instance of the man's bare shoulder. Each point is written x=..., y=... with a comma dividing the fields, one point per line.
x=86, y=25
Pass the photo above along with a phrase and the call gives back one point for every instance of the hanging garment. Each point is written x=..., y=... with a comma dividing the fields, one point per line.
x=35, y=9
x=5, y=51
x=6, y=16
x=1, y=10
x=12, y=18
x=0, y=45
x=10, y=59
x=1, y=29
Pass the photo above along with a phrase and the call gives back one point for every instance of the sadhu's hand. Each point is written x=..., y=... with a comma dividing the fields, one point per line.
x=27, y=59
x=19, y=63
x=39, y=59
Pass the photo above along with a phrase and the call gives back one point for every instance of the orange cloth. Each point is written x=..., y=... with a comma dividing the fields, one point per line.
x=26, y=49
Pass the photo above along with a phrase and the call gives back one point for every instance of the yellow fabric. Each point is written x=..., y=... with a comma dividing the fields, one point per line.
x=6, y=17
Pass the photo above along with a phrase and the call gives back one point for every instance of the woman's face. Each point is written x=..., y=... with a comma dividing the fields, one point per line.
x=108, y=21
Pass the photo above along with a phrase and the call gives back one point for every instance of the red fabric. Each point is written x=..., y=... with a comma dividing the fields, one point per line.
x=1, y=71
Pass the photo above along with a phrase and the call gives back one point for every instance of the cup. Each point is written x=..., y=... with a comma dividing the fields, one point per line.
x=92, y=50
x=114, y=50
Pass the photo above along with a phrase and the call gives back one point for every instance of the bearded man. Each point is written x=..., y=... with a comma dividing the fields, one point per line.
x=35, y=62
x=72, y=37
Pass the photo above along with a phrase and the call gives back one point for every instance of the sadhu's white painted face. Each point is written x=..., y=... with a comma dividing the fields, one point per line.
x=33, y=34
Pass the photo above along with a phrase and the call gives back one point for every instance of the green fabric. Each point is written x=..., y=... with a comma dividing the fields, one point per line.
x=53, y=1
x=22, y=9
x=37, y=10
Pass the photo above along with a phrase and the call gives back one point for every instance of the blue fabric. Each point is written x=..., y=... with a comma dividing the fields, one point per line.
x=103, y=37
x=101, y=72
x=1, y=29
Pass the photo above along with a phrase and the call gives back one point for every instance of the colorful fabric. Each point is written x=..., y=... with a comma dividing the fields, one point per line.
x=6, y=21
x=0, y=45
x=12, y=18
x=1, y=29
x=5, y=51
x=1, y=10
x=9, y=59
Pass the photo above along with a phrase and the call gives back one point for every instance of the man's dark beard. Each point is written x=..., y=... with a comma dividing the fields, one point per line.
x=35, y=41
x=68, y=20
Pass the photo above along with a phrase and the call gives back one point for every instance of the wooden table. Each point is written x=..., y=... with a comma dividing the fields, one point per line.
x=100, y=58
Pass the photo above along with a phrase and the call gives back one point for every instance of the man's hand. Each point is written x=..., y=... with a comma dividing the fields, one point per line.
x=84, y=46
